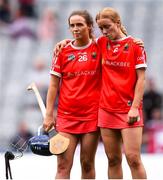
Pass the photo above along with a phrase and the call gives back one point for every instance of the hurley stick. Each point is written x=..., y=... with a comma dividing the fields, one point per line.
x=58, y=143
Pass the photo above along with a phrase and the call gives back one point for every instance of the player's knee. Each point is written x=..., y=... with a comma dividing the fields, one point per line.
x=87, y=166
x=115, y=161
x=64, y=168
x=133, y=160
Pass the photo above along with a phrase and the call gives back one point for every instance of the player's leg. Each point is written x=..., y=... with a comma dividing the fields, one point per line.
x=112, y=143
x=132, y=139
x=89, y=144
x=65, y=160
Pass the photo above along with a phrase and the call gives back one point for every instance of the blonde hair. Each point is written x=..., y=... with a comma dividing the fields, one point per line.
x=112, y=14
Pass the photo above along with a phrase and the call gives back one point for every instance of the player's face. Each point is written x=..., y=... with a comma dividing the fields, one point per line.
x=109, y=28
x=79, y=27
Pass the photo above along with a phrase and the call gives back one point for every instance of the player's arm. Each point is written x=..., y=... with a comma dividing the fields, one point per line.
x=133, y=114
x=50, y=101
x=140, y=65
x=55, y=72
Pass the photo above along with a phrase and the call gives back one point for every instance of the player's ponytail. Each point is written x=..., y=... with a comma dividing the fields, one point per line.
x=123, y=29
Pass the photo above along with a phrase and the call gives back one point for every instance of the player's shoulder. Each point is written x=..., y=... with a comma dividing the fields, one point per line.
x=101, y=38
x=67, y=46
x=102, y=41
x=134, y=44
x=128, y=39
x=133, y=41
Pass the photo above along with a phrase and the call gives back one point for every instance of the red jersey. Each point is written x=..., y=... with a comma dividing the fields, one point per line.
x=120, y=59
x=79, y=70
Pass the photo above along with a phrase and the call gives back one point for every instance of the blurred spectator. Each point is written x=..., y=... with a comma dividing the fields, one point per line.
x=27, y=7
x=20, y=140
x=152, y=100
x=22, y=26
x=48, y=25
x=39, y=75
x=5, y=12
x=153, y=133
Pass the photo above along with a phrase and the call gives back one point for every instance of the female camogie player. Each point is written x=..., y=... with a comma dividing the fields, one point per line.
x=123, y=67
x=120, y=108
x=75, y=72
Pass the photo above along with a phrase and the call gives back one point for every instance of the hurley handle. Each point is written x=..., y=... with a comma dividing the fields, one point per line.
x=33, y=87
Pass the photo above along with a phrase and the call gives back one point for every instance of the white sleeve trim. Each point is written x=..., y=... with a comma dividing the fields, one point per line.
x=140, y=66
x=55, y=73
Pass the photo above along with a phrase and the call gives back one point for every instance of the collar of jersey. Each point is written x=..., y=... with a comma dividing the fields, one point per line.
x=80, y=47
x=121, y=39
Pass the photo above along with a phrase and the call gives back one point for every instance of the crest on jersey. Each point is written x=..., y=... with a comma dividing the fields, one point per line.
x=71, y=57
x=94, y=55
x=126, y=46
x=115, y=50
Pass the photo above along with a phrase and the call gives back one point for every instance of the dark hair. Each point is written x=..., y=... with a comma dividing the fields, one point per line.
x=88, y=18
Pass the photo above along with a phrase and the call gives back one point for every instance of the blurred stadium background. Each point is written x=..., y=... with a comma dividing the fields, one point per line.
x=29, y=30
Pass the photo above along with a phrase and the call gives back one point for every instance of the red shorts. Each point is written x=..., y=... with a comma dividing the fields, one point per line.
x=116, y=120
x=75, y=127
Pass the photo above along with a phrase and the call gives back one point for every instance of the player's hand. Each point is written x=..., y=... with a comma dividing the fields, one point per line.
x=133, y=115
x=48, y=123
x=139, y=42
x=60, y=45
